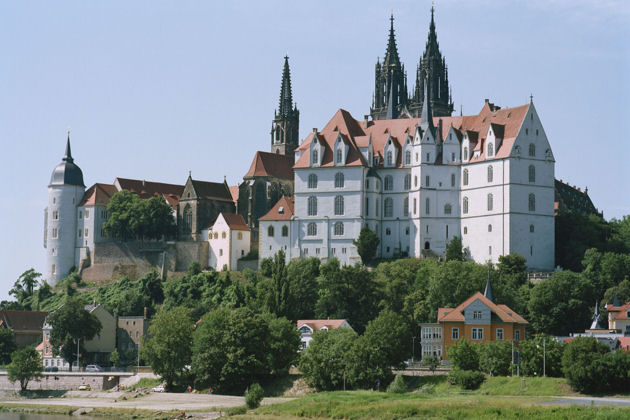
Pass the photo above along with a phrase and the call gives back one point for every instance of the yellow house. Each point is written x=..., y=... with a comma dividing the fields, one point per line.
x=619, y=316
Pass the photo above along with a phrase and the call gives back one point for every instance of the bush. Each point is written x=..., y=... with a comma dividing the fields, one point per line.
x=324, y=361
x=464, y=355
x=495, y=358
x=254, y=395
x=398, y=385
x=534, y=353
x=467, y=379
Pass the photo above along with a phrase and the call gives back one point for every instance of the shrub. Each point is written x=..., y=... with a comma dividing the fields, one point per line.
x=398, y=385
x=467, y=379
x=495, y=358
x=534, y=354
x=464, y=355
x=254, y=395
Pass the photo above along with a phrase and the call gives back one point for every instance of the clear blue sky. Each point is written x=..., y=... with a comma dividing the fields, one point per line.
x=154, y=89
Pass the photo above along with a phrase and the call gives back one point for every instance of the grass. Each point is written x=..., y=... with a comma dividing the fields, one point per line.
x=118, y=413
x=146, y=383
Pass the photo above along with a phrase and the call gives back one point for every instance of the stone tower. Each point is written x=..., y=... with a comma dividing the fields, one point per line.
x=65, y=192
x=390, y=82
x=432, y=67
x=286, y=122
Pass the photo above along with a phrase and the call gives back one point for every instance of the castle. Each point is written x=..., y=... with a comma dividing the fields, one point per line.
x=413, y=173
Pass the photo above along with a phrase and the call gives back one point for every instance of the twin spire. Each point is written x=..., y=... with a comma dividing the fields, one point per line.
x=286, y=96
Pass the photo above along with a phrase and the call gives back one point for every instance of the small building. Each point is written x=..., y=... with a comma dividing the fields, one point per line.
x=130, y=331
x=275, y=230
x=25, y=325
x=619, y=317
x=307, y=327
x=431, y=340
x=229, y=239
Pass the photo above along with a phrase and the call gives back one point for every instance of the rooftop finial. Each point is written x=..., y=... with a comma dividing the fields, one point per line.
x=531, y=98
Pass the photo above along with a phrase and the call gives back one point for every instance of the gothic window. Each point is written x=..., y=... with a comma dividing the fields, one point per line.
x=532, y=202
x=407, y=157
x=389, y=183
x=339, y=228
x=187, y=219
x=285, y=231
x=239, y=236
x=465, y=153
x=490, y=173
x=311, y=229
x=532, y=149
x=407, y=181
x=389, y=158
x=389, y=207
x=415, y=181
x=452, y=180
x=315, y=157
x=339, y=180
x=312, y=206
x=339, y=205
x=465, y=205
x=312, y=181
x=465, y=177
x=339, y=156
x=406, y=206
x=216, y=235
x=447, y=209
x=490, y=149
x=270, y=231
x=532, y=173
x=490, y=199
x=367, y=184
x=427, y=206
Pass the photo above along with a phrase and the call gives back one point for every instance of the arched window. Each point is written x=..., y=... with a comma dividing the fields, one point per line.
x=531, y=228
x=452, y=180
x=223, y=235
x=447, y=209
x=339, y=156
x=490, y=199
x=187, y=219
x=532, y=202
x=490, y=173
x=532, y=173
x=339, y=180
x=338, y=228
x=312, y=206
x=465, y=177
x=427, y=206
x=311, y=229
x=312, y=181
x=389, y=158
x=465, y=153
x=339, y=205
x=315, y=157
x=465, y=205
x=408, y=157
x=406, y=206
x=407, y=181
x=490, y=149
x=270, y=231
x=427, y=245
x=489, y=228
x=532, y=149
x=216, y=235
x=285, y=231
x=389, y=183
x=389, y=207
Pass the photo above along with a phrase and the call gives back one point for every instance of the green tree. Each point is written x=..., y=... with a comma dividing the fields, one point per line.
x=114, y=358
x=122, y=220
x=25, y=366
x=132, y=217
x=621, y=291
x=283, y=342
x=495, y=358
x=7, y=345
x=167, y=346
x=366, y=244
x=534, y=353
x=324, y=362
x=454, y=249
x=464, y=355
x=431, y=362
x=302, y=274
x=513, y=268
x=23, y=288
x=280, y=298
x=71, y=323
x=621, y=231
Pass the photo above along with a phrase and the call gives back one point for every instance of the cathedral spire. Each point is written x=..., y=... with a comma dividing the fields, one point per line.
x=68, y=156
x=391, y=55
x=286, y=96
x=286, y=121
x=426, y=115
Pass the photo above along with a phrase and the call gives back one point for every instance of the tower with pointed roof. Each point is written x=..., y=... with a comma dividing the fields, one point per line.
x=432, y=68
x=65, y=191
x=390, y=82
x=286, y=122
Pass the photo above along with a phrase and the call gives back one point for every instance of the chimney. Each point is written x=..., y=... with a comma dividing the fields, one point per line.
x=440, y=128
x=486, y=100
x=314, y=129
x=145, y=312
x=366, y=119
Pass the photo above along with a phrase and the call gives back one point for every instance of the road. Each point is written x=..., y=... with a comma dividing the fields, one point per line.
x=622, y=402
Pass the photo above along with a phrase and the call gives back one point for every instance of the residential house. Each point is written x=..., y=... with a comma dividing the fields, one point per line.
x=275, y=229
x=229, y=239
x=619, y=317
x=308, y=327
x=25, y=325
x=130, y=331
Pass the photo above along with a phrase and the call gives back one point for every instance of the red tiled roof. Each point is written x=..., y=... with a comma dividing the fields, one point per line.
x=318, y=324
x=212, y=190
x=98, y=195
x=624, y=343
x=234, y=192
x=234, y=221
x=286, y=203
x=148, y=189
x=23, y=320
x=620, y=311
x=271, y=164
x=457, y=314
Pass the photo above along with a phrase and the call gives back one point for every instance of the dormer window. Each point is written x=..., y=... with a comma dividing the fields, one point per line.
x=465, y=153
x=389, y=158
x=490, y=149
x=315, y=157
x=407, y=157
x=338, y=156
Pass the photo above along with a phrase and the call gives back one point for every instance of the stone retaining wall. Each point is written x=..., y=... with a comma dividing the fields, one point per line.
x=67, y=380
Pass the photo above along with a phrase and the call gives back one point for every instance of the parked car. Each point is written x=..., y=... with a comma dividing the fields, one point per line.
x=85, y=387
x=93, y=368
x=159, y=388
x=51, y=369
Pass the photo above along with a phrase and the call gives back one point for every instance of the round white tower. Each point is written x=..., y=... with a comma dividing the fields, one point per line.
x=65, y=192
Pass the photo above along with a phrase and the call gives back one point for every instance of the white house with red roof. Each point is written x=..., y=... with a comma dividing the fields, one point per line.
x=275, y=231
x=619, y=317
x=307, y=327
x=229, y=240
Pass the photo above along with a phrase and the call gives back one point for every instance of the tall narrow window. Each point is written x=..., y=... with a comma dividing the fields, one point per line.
x=377, y=207
x=490, y=202
x=532, y=149
x=465, y=153
x=389, y=158
x=339, y=205
x=187, y=219
x=427, y=206
x=532, y=173
x=311, y=229
x=407, y=181
x=532, y=202
x=315, y=158
x=465, y=205
x=406, y=206
x=285, y=231
x=389, y=183
x=339, y=156
x=452, y=180
x=465, y=177
x=427, y=180
x=389, y=207
x=339, y=180
x=415, y=206
x=338, y=228
x=367, y=206
x=407, y=157
x=415, y=181
x=447, y=209
x=270, y=231
x=312, y=206
x=490, y=173
x=490, y=149
x=312, y=181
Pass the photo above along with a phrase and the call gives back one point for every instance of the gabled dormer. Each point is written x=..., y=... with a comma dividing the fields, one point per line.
x=417, y=137
x=408, y=151
x=531, y=137
x=390, y=153
x=428, y=147
x=451, y=146
x=316, y=150
x=469, y=143
x=494, y=138
x=341, y=151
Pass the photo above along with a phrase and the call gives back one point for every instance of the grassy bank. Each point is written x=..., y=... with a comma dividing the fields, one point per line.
x=117, y=413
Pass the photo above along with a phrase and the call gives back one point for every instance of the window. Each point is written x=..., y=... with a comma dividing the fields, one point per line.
x=476, y=314
x=188, y=219
x=517, y=335
x=239, y=236
x=87, y=213
x=499, y=334
x=532, y=149
x=465, y=180
x=55, y=215
x=416, y=157
x=367, y=206
x=55, y=233
x=312, y=206
x=428, y=157
x=312, y=181
x=389, y=207
x=339, y=156
x=270, y=231
x=367, y=184
x=223, y=235
x=532, y=173
x=489, y=228
x=407, y=181
x=531, y=228
x=465, y=205
x=489, y=250
x=220, y=252
x=285, y=231
x=406, y=206
x=447, y=209
x=53, y=270
x=407, y=157
x=427, y=180
x=490, y=173
x=216, y=235
x=389, y=158
x=407, y=232
x=532, y=202
x=378, y=205
x=85, y=232
x=54, y=200
x=490, y=200
x=465, y=153
x=465, y=230
x=490, y=149
x=339, y=180
x=414, y=206
x=415, y=181
x=79, y=233
x=477, y=333
x=311, y=229
x=455, y=333
x=452, y=180
x=388, y=231
x=452, y=156
x=339, y=228
x=339, y=205
x=80, y=214
x=427, y=206
x=315, y=157
x=389, y=183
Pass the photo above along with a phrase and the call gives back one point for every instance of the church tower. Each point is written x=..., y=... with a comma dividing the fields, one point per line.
x=65, y=192
x=432, y=68
x=286, y=121
x=390, y=84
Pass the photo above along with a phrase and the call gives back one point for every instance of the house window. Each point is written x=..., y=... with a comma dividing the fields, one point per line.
x=312, y=206
x=367, y=206
x=79, y=232
x=406, y=206
x=532, y=202
x=85, y=232
x=55, y=215
x=270, y=231
x=339, y=156
x=532, y=149
x=414, y=206
x=55, y=233
x=187, y=219
x=388, y=231
x=54, y=200
x=389, y=207
x=87, y=213
x=428, y=157
x=531, y=228
x=517, y=335
x=490, y=202
x=465, y=177
x=489, y=250
x=427, y=180
x=367, y=184
x=239, y=236
x=389, y=183
x=532, y=173
x=339, y=228
x=490, y=173
x=339, y=205
x=465, y=205
x=455, y=333
x=312, y=229
x=242, y=252
x=489, y=228
x=216, y=235
x=389, y=158
x=285, y=231
x=427, y=206
x=490, y=149
x=415, y=181
x=465, y=153
x=407, y=232
x=452, y=180
x=339, y=180
x=447, y=209
x=476, y=314
x=407, y=181
x=499, y=334
x=377, y=207
x=407, y=157
x=223, y=235
x=477, y=333
x=220, y=252
x=53, y=270
x=315, y=157
x=80, y=214
x=452, y=156
x=312, y=181
x=465, y=230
